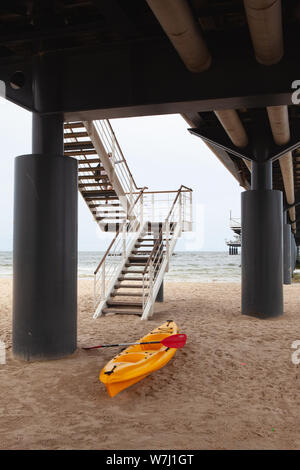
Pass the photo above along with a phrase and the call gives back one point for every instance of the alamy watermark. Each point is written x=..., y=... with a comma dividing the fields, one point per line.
x=296, y=94
x=296, y=354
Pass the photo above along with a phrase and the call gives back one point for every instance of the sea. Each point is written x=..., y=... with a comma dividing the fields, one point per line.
x=188, y=266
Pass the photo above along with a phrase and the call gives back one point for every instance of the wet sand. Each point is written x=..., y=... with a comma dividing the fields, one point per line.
x=233, y=386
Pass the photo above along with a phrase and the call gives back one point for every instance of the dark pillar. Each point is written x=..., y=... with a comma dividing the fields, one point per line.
x=287, y=252
x=47, y=134
x=45, y=247
x=160, y=294
x=297, y=257
x=293, y=253
x=262, y=292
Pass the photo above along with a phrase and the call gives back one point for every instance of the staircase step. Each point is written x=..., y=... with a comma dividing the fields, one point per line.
x=92, y=194
x=122, y=311
x=109, y=218
x=91, y=170
x=101, y=198
x=84, y=144
x=144, y=252
x=71, y=125
x=139, y=259
x=123, y=278
x=92, y=185
x=108, y=206
x=116, y=303
x=131, y=294
x=125, y=271
x=78, y=153
x=128, y=286
x=147, y=239
x=107, y=213
x=139, y=245
x=128, y=265
x=91, y=176
x=75, y=135
x=91, y=160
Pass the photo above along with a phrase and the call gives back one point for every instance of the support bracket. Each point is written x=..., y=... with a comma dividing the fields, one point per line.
x=218, y=137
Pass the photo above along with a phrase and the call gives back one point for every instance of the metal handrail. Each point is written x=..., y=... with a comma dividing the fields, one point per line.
x=187, y=190
x=117, y=233
x=161, y=230
x=171, y=216
x=118, y=161
x=123, y=157
x=158, y=261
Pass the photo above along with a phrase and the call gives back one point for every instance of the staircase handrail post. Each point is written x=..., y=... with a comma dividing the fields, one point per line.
x=131, y=191
x=124, y=233
x=180, y=213
x=151, y=282
x=95, y=291
x=142, y=210
x=143, y=298
x=167, y=242
x=103, y=281
x=153, y=207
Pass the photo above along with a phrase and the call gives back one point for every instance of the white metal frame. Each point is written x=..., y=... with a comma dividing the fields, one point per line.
x=175, y=213
x=108, y=271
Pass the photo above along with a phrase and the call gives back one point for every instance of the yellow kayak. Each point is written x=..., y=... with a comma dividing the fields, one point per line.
x=136, y=362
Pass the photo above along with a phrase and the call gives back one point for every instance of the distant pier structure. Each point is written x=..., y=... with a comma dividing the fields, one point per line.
x=235, y=243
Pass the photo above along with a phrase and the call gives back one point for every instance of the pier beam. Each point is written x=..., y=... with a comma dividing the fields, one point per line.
x=262, y=270
x=45, y=246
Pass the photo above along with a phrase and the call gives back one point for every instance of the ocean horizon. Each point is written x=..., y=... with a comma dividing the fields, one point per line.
x=185, y=266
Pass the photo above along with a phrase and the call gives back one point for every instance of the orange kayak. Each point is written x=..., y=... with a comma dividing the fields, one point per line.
x=136, y=362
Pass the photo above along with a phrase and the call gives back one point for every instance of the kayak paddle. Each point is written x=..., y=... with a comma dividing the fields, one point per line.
x=173, y=341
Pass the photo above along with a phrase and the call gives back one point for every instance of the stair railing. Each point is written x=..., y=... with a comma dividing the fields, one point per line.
x=158, y=261
x=113, y=260
x=157, y=205
x=117, y=158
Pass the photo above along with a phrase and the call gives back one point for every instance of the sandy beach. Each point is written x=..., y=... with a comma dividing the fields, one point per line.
x=233, y=386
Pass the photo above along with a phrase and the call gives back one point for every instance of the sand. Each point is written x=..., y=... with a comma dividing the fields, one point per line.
x=233, y=386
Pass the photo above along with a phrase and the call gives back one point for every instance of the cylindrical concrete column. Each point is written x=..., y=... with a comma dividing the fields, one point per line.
x=160, y=294
x=45, y=257
x=287, y=254
x=45, y=247
x=262, y=270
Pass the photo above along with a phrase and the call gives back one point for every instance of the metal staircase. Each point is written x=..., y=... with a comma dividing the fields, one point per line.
x=104, y=179
x=130, y=273
x=147, y=223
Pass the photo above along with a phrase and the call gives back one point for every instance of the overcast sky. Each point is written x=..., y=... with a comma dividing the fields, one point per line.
x=161, y=155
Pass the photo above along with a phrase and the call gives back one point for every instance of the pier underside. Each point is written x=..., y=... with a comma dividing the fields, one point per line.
x=230, y=68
